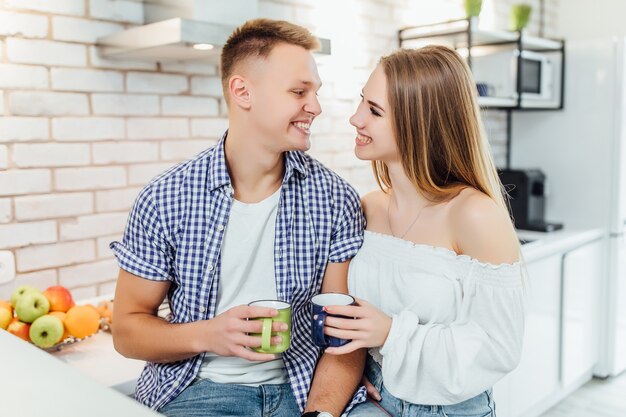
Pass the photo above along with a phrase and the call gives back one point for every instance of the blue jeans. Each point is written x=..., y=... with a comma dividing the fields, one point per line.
x=204, y=398
x=481, y=405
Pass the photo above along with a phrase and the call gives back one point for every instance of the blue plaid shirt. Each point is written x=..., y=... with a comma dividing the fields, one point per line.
x=175, y=232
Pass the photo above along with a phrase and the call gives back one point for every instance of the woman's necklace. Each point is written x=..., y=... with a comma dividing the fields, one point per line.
x=410, y=226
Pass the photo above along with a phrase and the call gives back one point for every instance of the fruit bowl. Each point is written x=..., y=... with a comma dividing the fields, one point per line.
x=105, y=326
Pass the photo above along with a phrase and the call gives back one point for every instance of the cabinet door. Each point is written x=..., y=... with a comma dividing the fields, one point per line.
x=582, y=269
x=537, y=376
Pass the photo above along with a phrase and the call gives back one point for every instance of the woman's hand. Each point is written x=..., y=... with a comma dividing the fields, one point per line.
x=369, y=328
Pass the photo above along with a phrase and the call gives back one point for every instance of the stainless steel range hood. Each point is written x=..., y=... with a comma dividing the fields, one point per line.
x=182, y=30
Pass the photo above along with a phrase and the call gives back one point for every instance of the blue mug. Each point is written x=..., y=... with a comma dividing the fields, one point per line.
x=318, y=317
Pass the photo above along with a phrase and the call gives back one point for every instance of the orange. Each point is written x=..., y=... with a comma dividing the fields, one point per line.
x=82, y=321
x=7, y=305
x=61, y=315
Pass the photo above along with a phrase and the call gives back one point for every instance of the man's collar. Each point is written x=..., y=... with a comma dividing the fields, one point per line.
x=219, y=176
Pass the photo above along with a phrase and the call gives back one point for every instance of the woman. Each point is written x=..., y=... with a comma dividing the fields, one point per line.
x=438, y=279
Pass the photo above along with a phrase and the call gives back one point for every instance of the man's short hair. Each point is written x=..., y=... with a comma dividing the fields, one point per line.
x=256, y=39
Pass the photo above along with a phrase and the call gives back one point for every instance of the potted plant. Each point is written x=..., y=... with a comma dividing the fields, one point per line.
x=520, y=15
x=473, y=7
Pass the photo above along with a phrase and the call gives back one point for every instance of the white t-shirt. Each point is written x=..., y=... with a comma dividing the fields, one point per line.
x=247, y=274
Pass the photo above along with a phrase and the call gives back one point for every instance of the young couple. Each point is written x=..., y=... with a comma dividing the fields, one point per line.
x=436, y=272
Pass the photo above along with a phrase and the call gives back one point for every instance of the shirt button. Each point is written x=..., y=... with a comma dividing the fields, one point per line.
x=202, y=309
x=220, y=227
x=210, y=267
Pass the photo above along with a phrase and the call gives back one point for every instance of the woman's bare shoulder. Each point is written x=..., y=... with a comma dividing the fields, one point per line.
x=482, y=228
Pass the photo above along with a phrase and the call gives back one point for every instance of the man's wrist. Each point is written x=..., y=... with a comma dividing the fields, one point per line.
x=317, y=414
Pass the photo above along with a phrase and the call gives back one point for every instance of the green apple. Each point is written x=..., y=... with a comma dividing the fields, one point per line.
x=31, y=305
x=46, y=331
x=20, y=291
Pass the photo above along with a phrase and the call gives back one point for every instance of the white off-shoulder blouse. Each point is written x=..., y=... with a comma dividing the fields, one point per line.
x=458, y=323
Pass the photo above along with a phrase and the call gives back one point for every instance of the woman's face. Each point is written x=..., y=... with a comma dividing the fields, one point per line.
x=373, y=121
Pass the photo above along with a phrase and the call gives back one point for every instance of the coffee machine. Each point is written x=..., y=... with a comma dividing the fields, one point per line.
x=527, y=195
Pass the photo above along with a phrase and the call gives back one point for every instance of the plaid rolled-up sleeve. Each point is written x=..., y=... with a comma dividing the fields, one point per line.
x=347, y=236
x=144, y=250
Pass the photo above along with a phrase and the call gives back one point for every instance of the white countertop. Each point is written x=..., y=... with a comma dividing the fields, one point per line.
x=549, y=243
x=35, y=384
x=97, y=358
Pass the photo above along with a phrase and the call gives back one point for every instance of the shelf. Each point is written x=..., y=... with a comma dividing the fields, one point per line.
x=456, y=33
x=497, y=102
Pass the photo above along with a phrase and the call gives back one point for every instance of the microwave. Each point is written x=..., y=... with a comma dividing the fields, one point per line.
x=539, y=83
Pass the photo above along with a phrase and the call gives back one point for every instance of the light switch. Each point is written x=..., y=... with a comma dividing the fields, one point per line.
x=7, y=266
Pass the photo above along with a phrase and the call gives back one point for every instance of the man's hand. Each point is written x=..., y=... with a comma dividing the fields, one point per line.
x=228, y=335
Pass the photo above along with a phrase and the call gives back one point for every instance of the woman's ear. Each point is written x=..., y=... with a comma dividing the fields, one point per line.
x=239, y=91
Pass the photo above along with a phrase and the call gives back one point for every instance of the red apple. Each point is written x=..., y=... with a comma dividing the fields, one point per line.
x=19, y=329
x=60, y=298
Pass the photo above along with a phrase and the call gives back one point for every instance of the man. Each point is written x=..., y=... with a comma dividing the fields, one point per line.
x=252, y=218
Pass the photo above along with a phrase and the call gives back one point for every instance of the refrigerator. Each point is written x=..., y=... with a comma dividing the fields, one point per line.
x=582, y=151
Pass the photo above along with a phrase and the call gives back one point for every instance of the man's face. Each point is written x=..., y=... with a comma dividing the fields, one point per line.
x=283, y=98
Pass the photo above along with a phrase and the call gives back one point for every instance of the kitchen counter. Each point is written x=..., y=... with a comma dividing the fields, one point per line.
x=96, y=358
x=34, y=384
x=543, y=244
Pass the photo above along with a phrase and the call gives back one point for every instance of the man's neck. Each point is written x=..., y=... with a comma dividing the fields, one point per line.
x=255, y=172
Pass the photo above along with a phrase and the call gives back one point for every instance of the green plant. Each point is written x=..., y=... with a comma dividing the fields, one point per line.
x=520, y=15
x=472, y=7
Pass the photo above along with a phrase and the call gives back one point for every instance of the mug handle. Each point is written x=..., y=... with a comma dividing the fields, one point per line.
x=318, y=329
x=266, y=335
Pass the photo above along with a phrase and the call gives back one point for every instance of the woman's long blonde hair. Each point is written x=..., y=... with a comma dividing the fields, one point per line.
x=437, y=125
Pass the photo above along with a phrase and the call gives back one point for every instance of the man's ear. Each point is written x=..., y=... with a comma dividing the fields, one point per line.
x=238, y=87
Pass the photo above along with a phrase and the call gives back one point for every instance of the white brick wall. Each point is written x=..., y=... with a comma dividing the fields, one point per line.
x=141, y=82
x=116, y=200
x=72, y=179
x=92, y=128
x=86, y=80
x=4, y=157
x=49, y=206
x=183, y=149
x=125, y=104
x=92, y=226
x=206, y=86
x=107, y=153
x=89, y=273
x=71, y=7
x=23, y=129
x=163, y=128
x=120, y=10
x=81, y=30
x=23, y=76
x=80, y=134
x=6, y=211
x=38, y=257
x=22, y=234
x=189, y=106
x=22, y=24
x=46, y=52
x=50, y=155
x=48, y=104
x=18, y=182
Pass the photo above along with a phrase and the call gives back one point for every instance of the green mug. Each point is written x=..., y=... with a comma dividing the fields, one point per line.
x=284, y=316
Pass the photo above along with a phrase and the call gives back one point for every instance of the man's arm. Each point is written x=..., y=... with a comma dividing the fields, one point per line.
x=336, y=377
x=138, y=332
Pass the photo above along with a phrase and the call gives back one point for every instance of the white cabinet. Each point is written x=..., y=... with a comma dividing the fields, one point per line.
x=560, y=339
x=581, y=275
x=537, y=375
